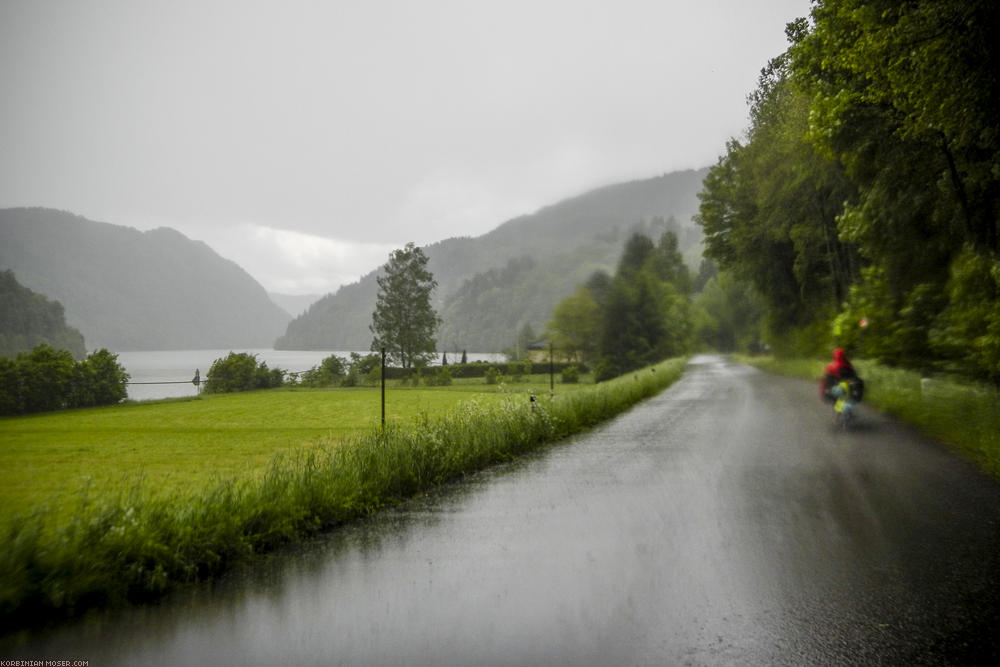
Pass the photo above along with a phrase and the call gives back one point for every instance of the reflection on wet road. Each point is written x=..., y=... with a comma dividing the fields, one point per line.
x=723, y=522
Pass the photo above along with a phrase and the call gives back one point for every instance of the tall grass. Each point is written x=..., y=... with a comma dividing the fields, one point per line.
x=963, y=414
x=135, y=547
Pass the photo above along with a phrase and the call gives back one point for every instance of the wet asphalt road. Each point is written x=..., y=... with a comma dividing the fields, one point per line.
x=723, y=522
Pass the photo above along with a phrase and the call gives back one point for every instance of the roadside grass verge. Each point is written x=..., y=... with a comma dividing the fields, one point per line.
x=179, y=446
x=132, y=546
x=963, y=414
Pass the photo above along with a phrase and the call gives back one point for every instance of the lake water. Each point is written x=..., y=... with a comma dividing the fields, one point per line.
x=178, y=367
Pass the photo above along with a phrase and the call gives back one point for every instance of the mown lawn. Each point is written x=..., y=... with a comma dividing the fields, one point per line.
x=52, y=461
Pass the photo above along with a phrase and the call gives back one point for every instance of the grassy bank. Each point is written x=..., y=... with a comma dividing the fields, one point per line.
x=962, y=414
x=132, y=545
x=180, y=446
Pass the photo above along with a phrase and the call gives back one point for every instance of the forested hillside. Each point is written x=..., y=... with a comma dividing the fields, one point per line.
x=864, y=203
x=131, y=290
x=490, y=287
x=28, y=319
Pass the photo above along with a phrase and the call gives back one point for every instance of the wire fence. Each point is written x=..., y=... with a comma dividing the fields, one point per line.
x=197, y=380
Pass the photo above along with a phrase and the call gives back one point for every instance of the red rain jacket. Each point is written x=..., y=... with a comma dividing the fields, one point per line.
x=838, y=369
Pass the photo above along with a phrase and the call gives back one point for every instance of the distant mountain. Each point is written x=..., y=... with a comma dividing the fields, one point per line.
x=294, y=304
x=131, y=290
x=28, y=319
x=490, y=286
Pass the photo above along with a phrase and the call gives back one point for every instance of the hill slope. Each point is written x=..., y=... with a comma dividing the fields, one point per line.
x=28, y=319
x=552, y=250
x=131, y=290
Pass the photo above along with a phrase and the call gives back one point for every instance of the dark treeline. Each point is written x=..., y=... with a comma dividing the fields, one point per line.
x=862, y=204
x=48, y=379
x=361, y=370
x=637, y=317
x=28, y=319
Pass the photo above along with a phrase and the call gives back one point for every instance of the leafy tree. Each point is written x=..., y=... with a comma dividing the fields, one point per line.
x=329, y=372
x=967, y=334
x=769, y=210
x=668, y=263
x=729, y=315
x=904, y=95
x=575, y=325
x=404, y=322
x=570, y=375
x=706, y=271
x=362, y=369
x=100, y=380
x=925, y=71
x=440, y=378
x=48, y=379
x=644, y=317
x=638, y=252
x=240, y=371
x=863, y=205
x=9, y=387
x=599, y=286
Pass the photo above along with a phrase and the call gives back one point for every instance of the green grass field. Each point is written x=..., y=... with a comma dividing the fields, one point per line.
x=181, y=491
x=178, y=446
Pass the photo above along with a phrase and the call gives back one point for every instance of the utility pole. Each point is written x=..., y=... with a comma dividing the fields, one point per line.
x=552, y=374
x=383, y=388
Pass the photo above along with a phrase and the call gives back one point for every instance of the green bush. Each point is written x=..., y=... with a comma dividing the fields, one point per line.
x=520, y=370
x=100, y=380
x=330, y=372
x=442, y=378
x=48, y=379
x=412, y=377
x=240, y=371
x=363, y=369
x=570, y=375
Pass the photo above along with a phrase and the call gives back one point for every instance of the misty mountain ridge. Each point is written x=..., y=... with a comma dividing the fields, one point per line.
x=491, y=286
x=294, y=304
x=125, y=289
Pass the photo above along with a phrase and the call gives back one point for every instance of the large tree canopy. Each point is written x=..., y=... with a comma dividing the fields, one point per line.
x=644, y=314
x=868, y=185
x=769, y=210
x=404, y=322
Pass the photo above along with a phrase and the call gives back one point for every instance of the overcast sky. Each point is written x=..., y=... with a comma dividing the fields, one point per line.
x=306, y=140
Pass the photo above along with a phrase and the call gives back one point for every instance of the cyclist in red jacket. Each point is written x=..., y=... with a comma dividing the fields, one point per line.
x=837, y=371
